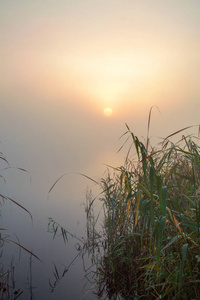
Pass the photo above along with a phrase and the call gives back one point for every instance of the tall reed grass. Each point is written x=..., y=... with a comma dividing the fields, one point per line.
x=151, y=237
x=149, y=243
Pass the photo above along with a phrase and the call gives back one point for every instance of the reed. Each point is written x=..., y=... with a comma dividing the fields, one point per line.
x=151, y=226
x=149, y=244
x=8, y=289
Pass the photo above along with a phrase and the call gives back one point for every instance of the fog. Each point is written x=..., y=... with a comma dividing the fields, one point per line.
x=62, y=64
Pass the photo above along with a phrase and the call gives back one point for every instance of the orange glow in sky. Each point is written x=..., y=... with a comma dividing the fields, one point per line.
x=103, y=53
x=74, y=76
x=108, y=112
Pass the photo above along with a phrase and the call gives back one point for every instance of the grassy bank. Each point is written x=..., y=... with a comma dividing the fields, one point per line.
x=151, y=230
x=148, y=244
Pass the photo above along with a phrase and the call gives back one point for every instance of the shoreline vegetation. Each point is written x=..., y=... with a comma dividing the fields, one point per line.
x=148, y=246
x=152, y=223
x=8, y=288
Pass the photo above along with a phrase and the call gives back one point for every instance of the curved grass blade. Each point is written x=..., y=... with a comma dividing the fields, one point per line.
x=68, y=174
x=56, y=183
x=148, y=126
x=173, y=240
x=25, y=249
x=88, y=177
x=174, y=133
x=3, y=158
x=15, y=202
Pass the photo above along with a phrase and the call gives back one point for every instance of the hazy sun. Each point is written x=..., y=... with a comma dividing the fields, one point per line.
x=107, y=111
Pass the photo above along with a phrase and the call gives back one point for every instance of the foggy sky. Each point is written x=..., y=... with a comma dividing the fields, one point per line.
x=63, y=62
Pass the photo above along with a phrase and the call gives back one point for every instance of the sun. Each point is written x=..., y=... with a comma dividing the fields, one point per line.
x=108, y=111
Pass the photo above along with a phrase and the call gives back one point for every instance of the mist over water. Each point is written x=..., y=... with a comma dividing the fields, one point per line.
x=62, y=65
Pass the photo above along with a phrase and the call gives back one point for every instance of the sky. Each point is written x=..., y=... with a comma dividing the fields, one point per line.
x=95, y=54
x=62, y=64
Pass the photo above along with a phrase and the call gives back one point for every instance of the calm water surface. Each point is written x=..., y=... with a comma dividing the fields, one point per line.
x=62, y=64
x=48, y=145
x=49, y=141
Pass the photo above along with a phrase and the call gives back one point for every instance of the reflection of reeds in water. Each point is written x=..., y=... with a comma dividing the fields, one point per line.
x=8, y=288
x=7, y=278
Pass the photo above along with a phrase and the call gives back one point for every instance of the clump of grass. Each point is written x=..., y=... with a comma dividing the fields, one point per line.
x=151, y=237
x=149, y=243
x=7, y=274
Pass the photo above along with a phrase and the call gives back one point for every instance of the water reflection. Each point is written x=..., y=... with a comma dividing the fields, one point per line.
x=86, y=247
x=24, y=276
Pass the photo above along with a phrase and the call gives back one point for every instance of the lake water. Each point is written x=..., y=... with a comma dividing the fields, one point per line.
x=47, y=150
x=61, y=66
x=48, y=141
